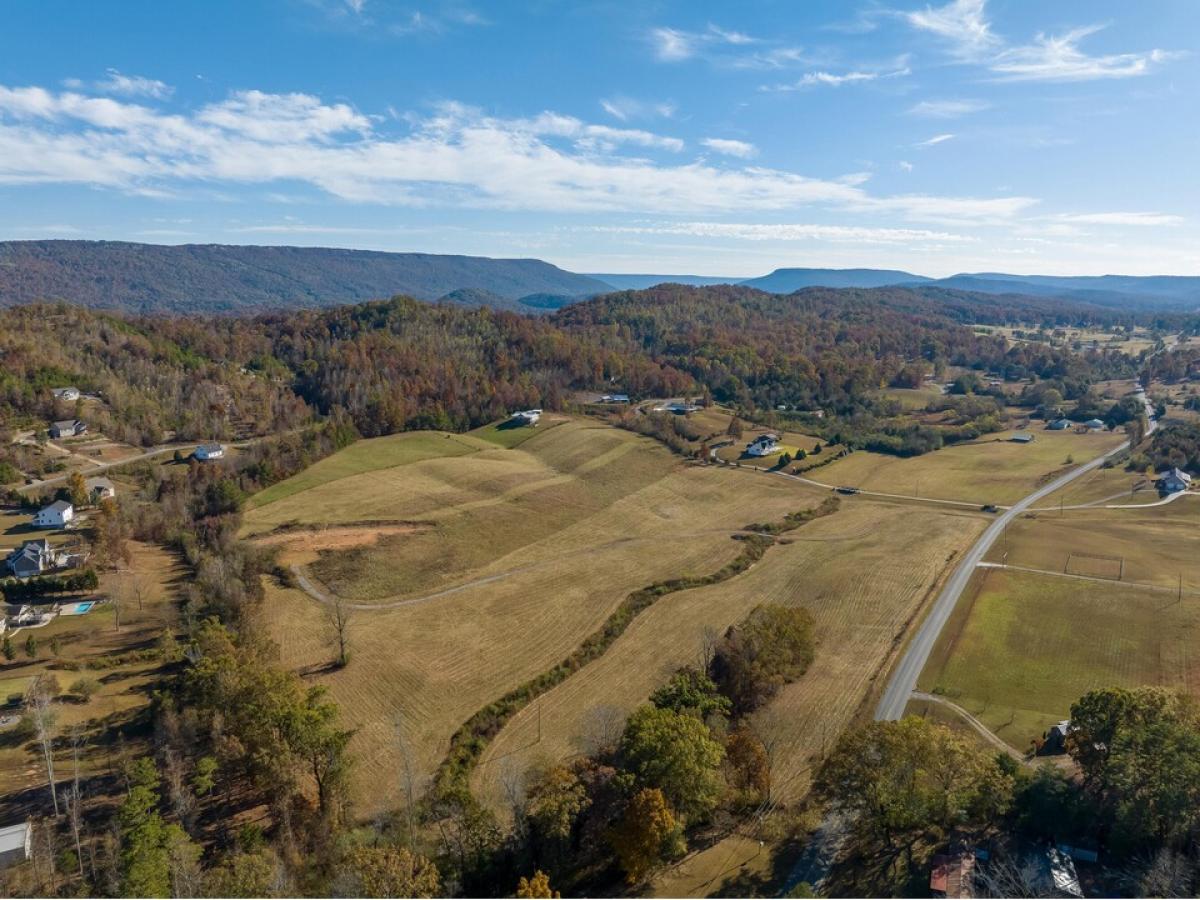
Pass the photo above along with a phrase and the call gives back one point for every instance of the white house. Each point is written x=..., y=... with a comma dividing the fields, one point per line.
x=66, y=394
x=615, y=398
x=206, y=452
x=33, y=558
x=763, y=445
x=1093, y=424
x=15, y=844
x=1174, y=480
x=56, y=515
x=526, y=417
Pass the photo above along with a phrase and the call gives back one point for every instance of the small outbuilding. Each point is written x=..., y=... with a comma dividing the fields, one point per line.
x=55, y=515
x=67, y=394
x=1055, y=740
x=1094, y=425
x=1059, y=425
x=206, y=452
x=15, y=844
x=100, y=489
x=952, y=875
x=615, y=398
x=1022, y=437
x=1174, y=480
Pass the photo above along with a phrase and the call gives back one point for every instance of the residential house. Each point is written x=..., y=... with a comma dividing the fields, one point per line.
x=526, y=417
x=1023, y=437
x=15, y=844
x=1093, y=425
x=763, y=445
x=952, y=875
x=615, y=398
x=206, y=452
x=68, y=428
x=1058, y=877
x=56, y=515
x=32, y=558
x=100, y=488
x=66, y=394
x=1174, y=480
x=1059, y=425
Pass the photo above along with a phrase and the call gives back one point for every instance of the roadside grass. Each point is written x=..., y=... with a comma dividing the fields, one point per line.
x=1114, y=485
x=1158, y=545
x=1022, y=648
x=990, y=470
x=367, y=456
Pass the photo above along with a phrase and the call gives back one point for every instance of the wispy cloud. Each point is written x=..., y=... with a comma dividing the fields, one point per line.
x=947, y=109
x=722, y=46
x=116, y=82
x=790, y=232
x=964, y=27
x=454, y=157
x=627, y=108
x=730, y=147
x=1138, y=219
x=905, y=165
x=833, y=79
x=935, y=140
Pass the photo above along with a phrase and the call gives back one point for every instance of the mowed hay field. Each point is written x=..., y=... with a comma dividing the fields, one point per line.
x=863, y=572
x=1023, y=647
x=1157, y=545
x=990, y=470
x=596, y=514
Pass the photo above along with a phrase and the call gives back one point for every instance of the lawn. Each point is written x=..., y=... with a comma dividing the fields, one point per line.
x=124, y=693
x=510, y=434
x=990, y=470
x=1022, y=648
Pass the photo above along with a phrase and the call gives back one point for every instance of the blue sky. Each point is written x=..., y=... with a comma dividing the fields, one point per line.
x=711, y=138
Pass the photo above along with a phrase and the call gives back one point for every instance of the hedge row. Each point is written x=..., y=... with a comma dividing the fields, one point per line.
x=452, y=781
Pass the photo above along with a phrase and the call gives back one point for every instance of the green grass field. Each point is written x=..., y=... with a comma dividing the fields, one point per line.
x=1021, y=648
x=504, y=434
x=990, y=470
x=369, y=456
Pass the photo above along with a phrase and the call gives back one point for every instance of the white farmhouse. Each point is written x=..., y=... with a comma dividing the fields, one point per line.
x=526, y=417
x=763, y=445
x=56, y=515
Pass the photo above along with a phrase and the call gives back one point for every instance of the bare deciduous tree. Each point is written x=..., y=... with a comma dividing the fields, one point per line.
x=601, y=729
x=339, y=614
x=39, y=703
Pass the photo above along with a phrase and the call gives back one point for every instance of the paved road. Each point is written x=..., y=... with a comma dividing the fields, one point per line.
x=904, y=677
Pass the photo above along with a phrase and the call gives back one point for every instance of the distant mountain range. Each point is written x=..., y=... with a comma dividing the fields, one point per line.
x=225, y=278
x=228, y=278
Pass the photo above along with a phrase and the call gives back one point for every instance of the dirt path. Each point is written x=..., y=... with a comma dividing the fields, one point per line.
x=994, y=739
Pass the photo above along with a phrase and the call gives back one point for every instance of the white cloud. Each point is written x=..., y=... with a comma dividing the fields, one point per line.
x=671, y=45
x=730, y=147
x=356, y=6
x=962, y=23
x=935, y=140
x=456, y=157
x=1058, y=58
x=947, y=109
x=626, y=108
x=964, y=26
x=789, y=232
x=1122, y=218
x=830, y=79
x=905, y=165
x=133, y=86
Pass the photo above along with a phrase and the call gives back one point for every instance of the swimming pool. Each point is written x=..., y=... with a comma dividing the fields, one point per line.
x=77, y=609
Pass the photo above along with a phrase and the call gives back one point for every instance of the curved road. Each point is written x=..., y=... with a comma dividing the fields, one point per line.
x=904, y=677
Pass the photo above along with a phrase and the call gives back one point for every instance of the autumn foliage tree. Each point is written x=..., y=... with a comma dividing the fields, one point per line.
x=647, y=834
x=676, y=753
x=537, y=886
x=773, y=646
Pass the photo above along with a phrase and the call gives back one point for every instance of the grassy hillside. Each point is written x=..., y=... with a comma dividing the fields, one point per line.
x=224, y=278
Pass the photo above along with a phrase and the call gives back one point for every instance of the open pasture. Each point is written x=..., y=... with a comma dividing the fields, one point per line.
x=1021, y=647
x=862, y=572
x=538, y=568
x=992, y=469
x=1157, y=546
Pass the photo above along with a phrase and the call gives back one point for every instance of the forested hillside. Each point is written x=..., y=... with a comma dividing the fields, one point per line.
x=222, y=278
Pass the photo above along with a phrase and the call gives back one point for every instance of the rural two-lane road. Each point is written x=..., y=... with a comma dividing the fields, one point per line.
x=904, y=677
